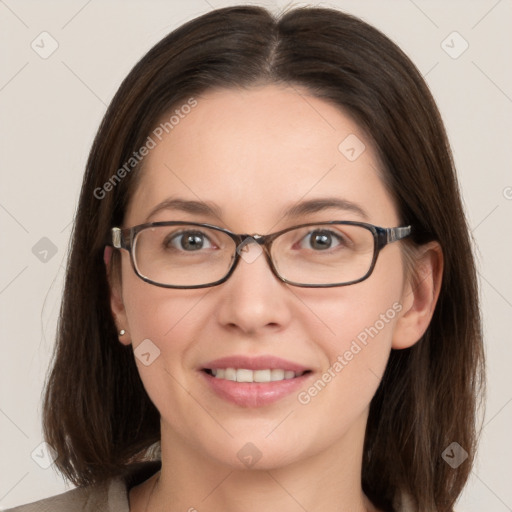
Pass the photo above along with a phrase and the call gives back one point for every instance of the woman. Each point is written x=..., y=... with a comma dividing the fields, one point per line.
x=271, y=282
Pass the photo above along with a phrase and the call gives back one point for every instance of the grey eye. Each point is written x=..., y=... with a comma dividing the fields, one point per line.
x=188, y=241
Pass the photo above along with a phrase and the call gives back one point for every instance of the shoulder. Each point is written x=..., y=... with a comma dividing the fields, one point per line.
x=110, y=496
x=79, y=499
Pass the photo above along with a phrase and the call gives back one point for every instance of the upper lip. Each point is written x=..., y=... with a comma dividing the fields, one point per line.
x=255, y=363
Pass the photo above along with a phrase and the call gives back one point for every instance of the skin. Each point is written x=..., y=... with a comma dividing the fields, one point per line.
x=255, y=153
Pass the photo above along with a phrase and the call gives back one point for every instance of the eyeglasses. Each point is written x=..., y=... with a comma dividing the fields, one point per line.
x=197, y=255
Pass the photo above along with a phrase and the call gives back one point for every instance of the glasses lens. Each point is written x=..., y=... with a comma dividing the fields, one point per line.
x=324, y=254
x=183, y=255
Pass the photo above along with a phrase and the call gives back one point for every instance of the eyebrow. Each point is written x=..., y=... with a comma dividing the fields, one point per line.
x=188, y=206
x=302, y=208
x=317, y=205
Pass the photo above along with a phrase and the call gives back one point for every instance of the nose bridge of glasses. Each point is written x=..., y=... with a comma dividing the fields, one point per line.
x=259, y=240
x=249, y=256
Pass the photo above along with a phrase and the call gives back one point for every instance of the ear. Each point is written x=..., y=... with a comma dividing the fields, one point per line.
x=116, y=296
x=419, y=296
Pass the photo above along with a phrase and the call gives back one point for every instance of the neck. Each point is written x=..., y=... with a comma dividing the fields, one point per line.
x=329, y=481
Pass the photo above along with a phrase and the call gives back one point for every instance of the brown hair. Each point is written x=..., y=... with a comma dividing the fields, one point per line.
x=97, y=414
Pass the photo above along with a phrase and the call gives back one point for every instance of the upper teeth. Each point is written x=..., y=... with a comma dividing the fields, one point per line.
x=244, y=375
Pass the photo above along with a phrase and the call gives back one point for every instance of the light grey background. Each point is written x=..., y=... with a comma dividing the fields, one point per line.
x=51, y=108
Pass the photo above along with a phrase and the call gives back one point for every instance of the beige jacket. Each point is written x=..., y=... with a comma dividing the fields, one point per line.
x=111, y=496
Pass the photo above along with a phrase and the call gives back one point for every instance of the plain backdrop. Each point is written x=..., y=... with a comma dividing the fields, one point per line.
x=51, y=106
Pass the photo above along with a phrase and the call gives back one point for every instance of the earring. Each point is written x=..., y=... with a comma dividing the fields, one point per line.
x=122, y=332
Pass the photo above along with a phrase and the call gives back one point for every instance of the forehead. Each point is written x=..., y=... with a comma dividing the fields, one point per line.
x=253, y=151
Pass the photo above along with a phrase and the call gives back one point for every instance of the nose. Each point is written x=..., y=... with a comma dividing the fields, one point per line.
x=253, y=300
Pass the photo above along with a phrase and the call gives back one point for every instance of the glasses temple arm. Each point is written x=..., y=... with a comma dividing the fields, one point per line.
x=394, y=234
x=116, y=238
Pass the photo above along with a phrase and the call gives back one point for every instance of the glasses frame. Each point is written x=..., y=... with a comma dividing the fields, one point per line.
x=123, y=238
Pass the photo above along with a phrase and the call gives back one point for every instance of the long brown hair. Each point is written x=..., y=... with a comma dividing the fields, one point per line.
x=97, y=414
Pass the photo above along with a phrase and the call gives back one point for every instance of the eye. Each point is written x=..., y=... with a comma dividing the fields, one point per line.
x=188, y=241
x=321, y=240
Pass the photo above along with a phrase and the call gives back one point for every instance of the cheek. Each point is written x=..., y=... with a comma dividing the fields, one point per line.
x=160, y=323
x=357, y=323
x=364, y=311
x=354, y=340
x=167, y=317
x=164, y=325
x=356, y=358
x=358, y=335
x=365, y=342
x=154, y=312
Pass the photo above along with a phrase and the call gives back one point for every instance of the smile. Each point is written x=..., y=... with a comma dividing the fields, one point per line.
x=246, y=375
x=254, y=381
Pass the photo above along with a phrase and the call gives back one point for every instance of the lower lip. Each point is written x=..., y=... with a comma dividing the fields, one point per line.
x=254, y=394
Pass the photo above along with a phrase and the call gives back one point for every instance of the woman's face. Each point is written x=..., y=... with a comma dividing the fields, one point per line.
x=254, y=154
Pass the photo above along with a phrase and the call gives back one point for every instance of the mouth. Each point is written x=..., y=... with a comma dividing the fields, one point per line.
x=251, y=376
x=256, y=381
